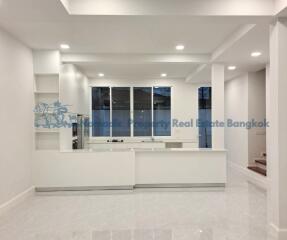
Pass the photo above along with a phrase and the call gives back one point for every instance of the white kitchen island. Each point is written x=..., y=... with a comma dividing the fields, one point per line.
x=180, y=167
x=129, y=168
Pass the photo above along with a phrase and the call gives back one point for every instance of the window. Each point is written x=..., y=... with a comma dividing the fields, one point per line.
x=204, y=110
x=142, y=111
x=121, y=112
x=111, y=111
x=101, y=111
x=162, y=111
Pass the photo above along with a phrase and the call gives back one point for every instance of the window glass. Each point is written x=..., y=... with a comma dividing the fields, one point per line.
x=162, y=111
x=100, y=111
x=121, y=112
x=142, y=111
x=204, y=111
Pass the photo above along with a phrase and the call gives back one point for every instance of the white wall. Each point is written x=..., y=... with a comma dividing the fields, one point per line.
x=276, y=133
x=236, y=108
x=16, y=104
x=245, y=100
x=74, y=91
x=184, y=105
x=217, y=111
x=257, y=111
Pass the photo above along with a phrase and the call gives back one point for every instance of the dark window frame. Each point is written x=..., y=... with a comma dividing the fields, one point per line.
x=132, y=131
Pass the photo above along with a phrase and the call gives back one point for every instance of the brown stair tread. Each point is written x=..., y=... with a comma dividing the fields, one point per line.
x=263, y=162
x=258, y=170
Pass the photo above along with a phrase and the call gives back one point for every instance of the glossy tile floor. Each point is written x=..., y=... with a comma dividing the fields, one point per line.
x=237, y=213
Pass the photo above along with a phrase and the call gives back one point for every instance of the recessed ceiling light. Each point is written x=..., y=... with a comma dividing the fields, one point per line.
x=231, y=68
x=101, y=74
x=163, y=75
x=256, y=54
x=65, y=46
x=179, y=47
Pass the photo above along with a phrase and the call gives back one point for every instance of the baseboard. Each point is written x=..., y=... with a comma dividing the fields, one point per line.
x=276, y=233
x=258, y=180
x=79, y=189
x=182, y=185
x=17, y=199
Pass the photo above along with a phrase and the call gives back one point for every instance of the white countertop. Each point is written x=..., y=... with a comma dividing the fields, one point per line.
x=145, y=150
x=177, y=150
x=128, y=141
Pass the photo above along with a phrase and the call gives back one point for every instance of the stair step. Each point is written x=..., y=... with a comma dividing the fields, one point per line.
x=263, y=162
x=258, y=170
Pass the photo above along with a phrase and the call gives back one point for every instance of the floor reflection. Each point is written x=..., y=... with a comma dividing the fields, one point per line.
x=154, y=234
x=237, y=213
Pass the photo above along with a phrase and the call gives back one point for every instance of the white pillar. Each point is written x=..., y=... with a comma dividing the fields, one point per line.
x=217, y=81
x=277, y=132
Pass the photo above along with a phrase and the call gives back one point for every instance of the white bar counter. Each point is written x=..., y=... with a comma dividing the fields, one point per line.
x=180, y=168
x=92, y=169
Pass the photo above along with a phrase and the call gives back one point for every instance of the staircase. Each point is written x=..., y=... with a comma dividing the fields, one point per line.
x=260, y=165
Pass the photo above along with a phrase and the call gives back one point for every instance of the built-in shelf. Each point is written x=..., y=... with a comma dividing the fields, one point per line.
x=47, y=141
x=48, y=98
x=46, y=130
x=46, y=92
x=46, y=75
x=43, y=113
x=46, y=83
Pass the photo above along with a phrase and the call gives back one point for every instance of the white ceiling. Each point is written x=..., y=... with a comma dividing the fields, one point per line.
x=171, y=7
x=239, y=55
x=45, y=24
x=134, y=71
